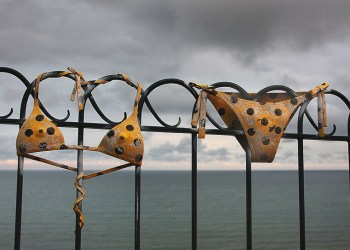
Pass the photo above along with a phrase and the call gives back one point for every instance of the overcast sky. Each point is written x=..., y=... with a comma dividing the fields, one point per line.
x=299, y=44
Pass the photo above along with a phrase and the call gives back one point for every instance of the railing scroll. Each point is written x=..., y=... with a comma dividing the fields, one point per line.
x=164, y=127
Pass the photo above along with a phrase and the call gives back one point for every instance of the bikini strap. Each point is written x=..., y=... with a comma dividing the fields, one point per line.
x=202, y=86
x=200, y=113
x=77, y=90
x=321, y=106
x=139, y=92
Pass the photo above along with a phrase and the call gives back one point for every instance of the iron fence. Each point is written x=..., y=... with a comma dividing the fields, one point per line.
x=82, y=125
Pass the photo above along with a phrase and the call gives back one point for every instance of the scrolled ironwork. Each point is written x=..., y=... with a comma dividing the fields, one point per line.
x=167, y=128
x=152, y=87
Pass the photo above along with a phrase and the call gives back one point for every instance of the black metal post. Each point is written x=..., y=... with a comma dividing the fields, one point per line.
x=301, y=174
x=194, y=191
x=80, y=170
x=137, y=206
x=301, y=193
x=349, y=150
x=249, y=198
x=19, y=195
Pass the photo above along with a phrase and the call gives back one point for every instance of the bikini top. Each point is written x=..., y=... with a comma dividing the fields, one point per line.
x=38, y=133
x=262, y=118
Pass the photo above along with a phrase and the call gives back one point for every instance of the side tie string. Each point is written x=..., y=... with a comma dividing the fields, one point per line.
x=321, y=106
x=199, y=114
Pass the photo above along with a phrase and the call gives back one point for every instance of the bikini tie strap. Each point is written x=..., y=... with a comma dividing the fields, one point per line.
x=80, y=197
x=200, y=112
x=321, y=107
x=201, y=86
x=322, y=113
x=77, y=90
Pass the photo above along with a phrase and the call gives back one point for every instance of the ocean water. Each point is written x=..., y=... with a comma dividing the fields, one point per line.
x=48, y=219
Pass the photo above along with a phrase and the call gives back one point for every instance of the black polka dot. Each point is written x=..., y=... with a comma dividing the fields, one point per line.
x=251, y=131
x=221, y=111
x=119, y=150
x=135, y=104
x=272, y=128
x=138, y=158
x=137, y=142
x=278, y=130
x=262, y=103
x=195, y=110
x=273, y=95
x=22, y=148
x=234, y=99
x=263, y=157
x=39, y=118
x=42, y=145
x=50, y=130
x=28, y=132
x=63, y=146
x=320, y=125
x=265, y=141
x=293, y=101
x=250, y=111
x=130, y=127
x=278, y=112
x=110, y=133
x=41, y=131
x=264, y=121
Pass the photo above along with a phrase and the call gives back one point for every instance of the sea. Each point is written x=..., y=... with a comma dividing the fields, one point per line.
x=48, y=221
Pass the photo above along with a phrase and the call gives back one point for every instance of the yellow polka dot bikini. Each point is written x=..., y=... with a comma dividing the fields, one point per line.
x=38, y=133
x=263, y=121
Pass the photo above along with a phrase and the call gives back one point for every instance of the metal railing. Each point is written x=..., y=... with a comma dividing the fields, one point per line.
x=81, y=125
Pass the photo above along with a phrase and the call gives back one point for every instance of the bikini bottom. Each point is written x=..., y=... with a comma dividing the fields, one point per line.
x=263, y=121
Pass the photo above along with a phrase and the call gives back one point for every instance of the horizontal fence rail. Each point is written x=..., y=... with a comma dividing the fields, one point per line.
x=81, y=125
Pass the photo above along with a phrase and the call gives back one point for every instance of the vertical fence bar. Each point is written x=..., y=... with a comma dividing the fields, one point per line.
x=301, y=193
x=19, y=195
x=137, y=206
x=349, y=149
x=194, y=191
x=249, y=198
x=80, y=170
x=301, y=174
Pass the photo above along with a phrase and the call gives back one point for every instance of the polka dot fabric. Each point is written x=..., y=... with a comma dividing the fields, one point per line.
x=38, y=134
x=263, y=121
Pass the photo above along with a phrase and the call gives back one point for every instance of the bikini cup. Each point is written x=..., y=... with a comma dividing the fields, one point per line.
x=263, y=121
x=123, y=141
x=38, y=133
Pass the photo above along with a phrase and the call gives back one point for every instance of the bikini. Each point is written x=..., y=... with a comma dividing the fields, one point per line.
x=263, y=121
x=37, y=134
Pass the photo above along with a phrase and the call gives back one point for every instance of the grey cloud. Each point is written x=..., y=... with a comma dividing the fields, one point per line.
x=159, y=34
x=182, y=151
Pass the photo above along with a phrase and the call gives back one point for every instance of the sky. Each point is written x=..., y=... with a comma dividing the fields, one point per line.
x=255, y=44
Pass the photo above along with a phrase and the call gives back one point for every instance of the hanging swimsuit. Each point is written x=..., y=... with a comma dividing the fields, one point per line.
x=263, y=121
x=38, y=133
